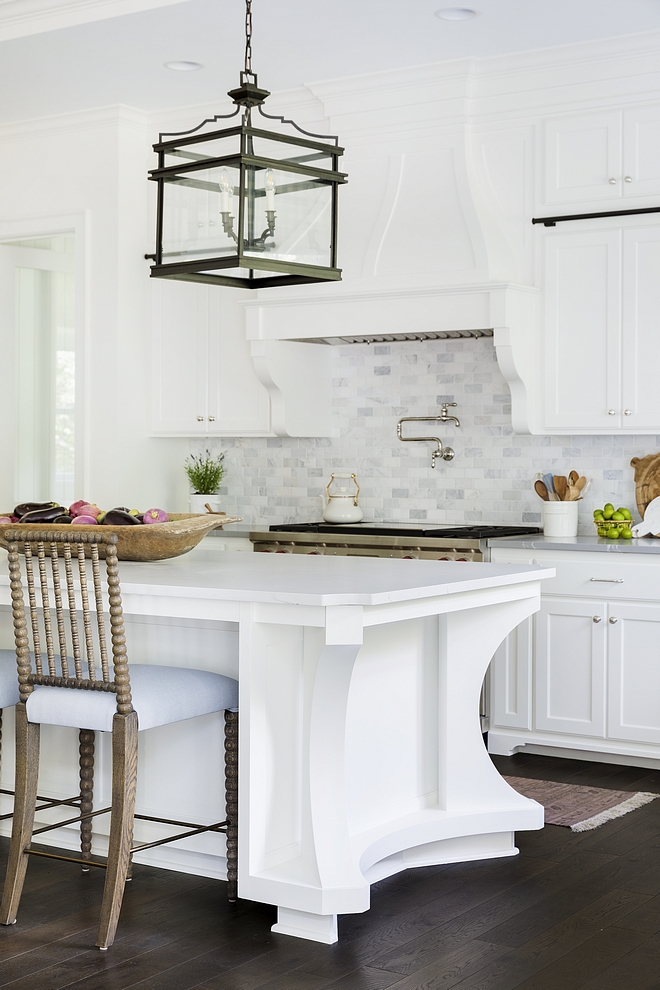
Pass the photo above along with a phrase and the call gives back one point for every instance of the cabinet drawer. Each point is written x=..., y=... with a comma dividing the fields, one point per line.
x=615, y=580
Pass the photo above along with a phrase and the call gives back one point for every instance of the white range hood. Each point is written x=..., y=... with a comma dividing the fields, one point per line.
x=425, y=250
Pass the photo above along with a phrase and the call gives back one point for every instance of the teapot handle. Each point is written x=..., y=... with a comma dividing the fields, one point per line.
x=353, y=478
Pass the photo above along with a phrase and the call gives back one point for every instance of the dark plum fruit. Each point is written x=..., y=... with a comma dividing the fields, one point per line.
x=43, y=515
x=24, y=507
x=119, y=517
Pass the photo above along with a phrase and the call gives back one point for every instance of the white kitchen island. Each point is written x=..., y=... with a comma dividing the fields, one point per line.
x=360, y=750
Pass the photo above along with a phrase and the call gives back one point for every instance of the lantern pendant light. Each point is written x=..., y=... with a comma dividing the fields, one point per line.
x=244, y=205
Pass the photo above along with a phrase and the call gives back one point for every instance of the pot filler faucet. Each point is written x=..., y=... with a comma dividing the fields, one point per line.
x=446, y=453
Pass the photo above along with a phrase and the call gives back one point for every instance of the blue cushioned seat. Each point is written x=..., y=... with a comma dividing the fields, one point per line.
x=160, y=695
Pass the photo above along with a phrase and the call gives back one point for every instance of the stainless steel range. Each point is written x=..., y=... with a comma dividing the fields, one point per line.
x=409, y=541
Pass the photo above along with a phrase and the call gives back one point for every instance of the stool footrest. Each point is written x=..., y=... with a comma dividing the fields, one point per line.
x=219, y=827
x=67, y=859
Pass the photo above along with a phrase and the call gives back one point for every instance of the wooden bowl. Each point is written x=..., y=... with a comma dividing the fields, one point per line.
x=158, y=541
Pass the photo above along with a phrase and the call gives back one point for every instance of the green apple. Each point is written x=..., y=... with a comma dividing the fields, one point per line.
x=618, y=517
x=626, y=534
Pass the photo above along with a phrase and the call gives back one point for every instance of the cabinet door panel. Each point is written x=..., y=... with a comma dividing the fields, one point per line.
x=582, y=153
x=634, y=673
x=238, y=403
x=179, y=353
x=641, y=152
x=641, y=340
x=570, y=667
x=511, y=679
x=583, y=330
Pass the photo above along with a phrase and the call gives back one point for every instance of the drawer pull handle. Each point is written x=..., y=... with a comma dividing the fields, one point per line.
x=607, y=580
x=613, y=619
x=597, y=618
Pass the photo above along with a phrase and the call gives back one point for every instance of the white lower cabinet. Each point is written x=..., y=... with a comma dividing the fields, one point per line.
x=634, y=672
x=570, y=667
x=584, y=673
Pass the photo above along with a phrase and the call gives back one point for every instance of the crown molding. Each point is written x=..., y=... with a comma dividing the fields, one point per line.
x=118, y=114
x=22, y=17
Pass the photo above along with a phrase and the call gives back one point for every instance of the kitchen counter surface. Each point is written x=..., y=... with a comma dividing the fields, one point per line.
x=581, y=543
x=209, y=573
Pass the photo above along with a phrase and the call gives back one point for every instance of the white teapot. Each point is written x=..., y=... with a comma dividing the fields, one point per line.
x=342, y=505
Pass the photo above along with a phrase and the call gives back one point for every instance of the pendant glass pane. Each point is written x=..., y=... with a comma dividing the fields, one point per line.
x=193, y=207
x=301, y=217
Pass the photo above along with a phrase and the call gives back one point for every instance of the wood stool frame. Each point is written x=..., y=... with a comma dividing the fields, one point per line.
x=83, y=676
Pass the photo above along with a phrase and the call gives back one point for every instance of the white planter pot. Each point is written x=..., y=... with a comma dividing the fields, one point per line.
x=197, y=503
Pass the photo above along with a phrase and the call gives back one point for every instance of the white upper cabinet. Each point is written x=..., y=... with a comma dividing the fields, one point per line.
x=601, y=347
x=602, y=157
x=208, y=379
x=203, y=379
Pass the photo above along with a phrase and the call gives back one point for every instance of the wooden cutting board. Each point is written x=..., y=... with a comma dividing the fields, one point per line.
x=647, y=480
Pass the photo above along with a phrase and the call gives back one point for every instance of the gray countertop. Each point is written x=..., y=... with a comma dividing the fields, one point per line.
x=588, y=543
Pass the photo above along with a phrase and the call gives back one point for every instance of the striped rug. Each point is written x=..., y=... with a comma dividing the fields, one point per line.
x=577, y=807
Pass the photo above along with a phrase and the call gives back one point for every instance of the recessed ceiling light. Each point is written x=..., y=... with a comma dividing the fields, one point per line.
x=456, y=13
x=182, y=66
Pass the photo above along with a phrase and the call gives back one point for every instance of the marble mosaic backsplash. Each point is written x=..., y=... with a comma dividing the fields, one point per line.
x=490, y=479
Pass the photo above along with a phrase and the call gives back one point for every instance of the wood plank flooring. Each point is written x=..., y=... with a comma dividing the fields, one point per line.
x=575, y=911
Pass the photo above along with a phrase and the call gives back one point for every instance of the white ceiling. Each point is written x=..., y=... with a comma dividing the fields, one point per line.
x=102, y=55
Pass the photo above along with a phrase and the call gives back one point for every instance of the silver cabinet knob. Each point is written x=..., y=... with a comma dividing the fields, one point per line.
x=611, y=412
x=613, y=619
x=627, y=412
x=211, y=419
x=200, y=419
x=597, y=618
x=612, y=181
x=627, y=178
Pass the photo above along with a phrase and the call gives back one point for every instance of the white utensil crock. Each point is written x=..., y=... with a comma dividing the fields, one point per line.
x=560, y=518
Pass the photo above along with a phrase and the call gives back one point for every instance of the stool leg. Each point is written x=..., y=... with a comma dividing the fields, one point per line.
x=86, y=751
x=231, y=802
x=27, y=773
x=124, y=781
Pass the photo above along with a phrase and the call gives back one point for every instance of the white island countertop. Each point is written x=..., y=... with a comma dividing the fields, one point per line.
x=300, y=579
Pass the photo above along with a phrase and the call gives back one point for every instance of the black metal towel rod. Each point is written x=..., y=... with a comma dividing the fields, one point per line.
x=551, y=221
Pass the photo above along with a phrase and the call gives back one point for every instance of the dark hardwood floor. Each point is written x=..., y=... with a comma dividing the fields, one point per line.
x=574, y=910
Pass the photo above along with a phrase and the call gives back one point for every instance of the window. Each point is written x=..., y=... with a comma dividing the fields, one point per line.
x=42, y=270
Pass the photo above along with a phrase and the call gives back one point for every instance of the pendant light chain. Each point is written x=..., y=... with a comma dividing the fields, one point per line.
x=248, y=36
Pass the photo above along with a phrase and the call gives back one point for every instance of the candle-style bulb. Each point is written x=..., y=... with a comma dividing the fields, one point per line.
x=226, y=192
x=269, y=186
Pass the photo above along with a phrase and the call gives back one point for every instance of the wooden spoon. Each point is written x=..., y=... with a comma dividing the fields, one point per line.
x=573, y=494
x=573, y=477
x=540, y=489
x=580, y=483
x=561, y=486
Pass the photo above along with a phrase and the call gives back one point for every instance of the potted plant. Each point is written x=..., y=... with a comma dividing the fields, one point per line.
x=205, y=472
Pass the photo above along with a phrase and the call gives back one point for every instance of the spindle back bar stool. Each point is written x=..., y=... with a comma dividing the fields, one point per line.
x=86, y=683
